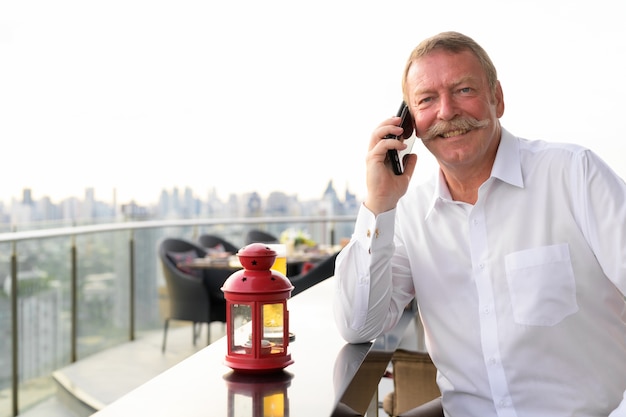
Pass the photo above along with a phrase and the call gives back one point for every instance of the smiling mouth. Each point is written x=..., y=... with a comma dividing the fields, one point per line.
x=456, y=127
x=452, y=133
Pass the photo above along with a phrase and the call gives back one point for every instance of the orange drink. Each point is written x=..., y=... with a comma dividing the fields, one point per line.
x=280, y=264
x=273, y=313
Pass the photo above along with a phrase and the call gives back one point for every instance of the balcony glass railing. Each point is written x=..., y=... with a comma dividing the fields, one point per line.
x=84, y=289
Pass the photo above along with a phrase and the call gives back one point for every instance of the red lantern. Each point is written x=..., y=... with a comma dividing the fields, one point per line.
x=257, y=320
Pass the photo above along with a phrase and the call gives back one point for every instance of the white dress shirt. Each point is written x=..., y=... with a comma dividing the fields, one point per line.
x=521, y=294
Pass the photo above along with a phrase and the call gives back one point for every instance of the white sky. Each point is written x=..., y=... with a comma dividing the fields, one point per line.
x=141, y=95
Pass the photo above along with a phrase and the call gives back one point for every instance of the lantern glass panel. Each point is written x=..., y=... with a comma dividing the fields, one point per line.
x=242, y=328
x=273, y=322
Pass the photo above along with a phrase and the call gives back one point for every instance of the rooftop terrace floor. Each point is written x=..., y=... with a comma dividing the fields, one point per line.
x=106, y=376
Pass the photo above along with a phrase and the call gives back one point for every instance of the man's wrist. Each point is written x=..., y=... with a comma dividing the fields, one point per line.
x=377, y=207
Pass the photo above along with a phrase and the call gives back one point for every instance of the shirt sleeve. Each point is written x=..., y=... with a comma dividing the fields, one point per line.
x=364, y=305
x=603, y=202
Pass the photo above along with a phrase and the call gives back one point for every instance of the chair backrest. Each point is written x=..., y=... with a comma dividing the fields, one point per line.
x=214, y=242
x=179, y=245
x=188, y=297
x=415, y=383
x=260, y=236
x=318, y=273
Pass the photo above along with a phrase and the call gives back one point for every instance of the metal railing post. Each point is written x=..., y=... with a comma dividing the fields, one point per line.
x=131, y=305
x=14, y=333
x=74, y=302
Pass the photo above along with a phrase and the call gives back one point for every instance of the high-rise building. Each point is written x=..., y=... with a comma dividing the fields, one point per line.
x=27, y=197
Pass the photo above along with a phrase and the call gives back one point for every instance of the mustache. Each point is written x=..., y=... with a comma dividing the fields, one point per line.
x=460, y=123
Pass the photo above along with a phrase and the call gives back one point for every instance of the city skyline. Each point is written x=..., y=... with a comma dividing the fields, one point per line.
x=171, y=203
x=29, y=194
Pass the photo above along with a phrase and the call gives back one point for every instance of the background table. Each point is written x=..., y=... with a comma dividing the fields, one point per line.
x=295, y=262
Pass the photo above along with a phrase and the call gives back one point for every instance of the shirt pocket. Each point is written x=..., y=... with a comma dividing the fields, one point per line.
x=541, y=285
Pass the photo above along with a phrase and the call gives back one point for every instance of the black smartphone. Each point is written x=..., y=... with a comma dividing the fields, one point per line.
x=406, y=122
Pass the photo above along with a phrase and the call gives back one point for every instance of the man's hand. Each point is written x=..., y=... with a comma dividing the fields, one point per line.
x=384, y=188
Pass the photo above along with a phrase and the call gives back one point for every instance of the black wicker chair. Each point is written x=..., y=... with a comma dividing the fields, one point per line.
x=208, y=241
x=318, y=273
x=194, y=294
x=260, y=236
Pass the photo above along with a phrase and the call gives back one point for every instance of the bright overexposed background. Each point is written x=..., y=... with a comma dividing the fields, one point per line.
x=237, y=96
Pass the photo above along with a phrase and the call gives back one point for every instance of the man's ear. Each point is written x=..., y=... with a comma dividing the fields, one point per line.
x=499, y=100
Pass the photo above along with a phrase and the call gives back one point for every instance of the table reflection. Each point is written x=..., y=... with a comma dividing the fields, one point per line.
x=252, y=395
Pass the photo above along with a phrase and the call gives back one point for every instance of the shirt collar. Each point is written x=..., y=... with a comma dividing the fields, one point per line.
x=506, y=167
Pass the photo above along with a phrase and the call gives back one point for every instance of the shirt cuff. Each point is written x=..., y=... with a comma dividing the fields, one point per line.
x=374, y=231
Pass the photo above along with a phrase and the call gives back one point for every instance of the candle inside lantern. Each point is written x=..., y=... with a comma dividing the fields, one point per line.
x=266, y=346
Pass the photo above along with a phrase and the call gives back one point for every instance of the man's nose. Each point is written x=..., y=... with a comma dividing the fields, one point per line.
x=448, y=109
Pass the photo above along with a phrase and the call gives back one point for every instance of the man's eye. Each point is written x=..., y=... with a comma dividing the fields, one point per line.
x=465, y=90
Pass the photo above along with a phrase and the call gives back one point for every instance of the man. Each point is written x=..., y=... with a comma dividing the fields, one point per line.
x=515, y=251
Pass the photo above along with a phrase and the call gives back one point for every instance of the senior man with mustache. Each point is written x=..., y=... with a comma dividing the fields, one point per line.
x=515, y=251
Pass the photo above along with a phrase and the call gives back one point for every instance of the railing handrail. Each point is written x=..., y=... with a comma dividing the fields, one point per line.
x=153, y=224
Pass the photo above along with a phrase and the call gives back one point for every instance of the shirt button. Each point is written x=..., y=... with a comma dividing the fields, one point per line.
x=492, y=361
